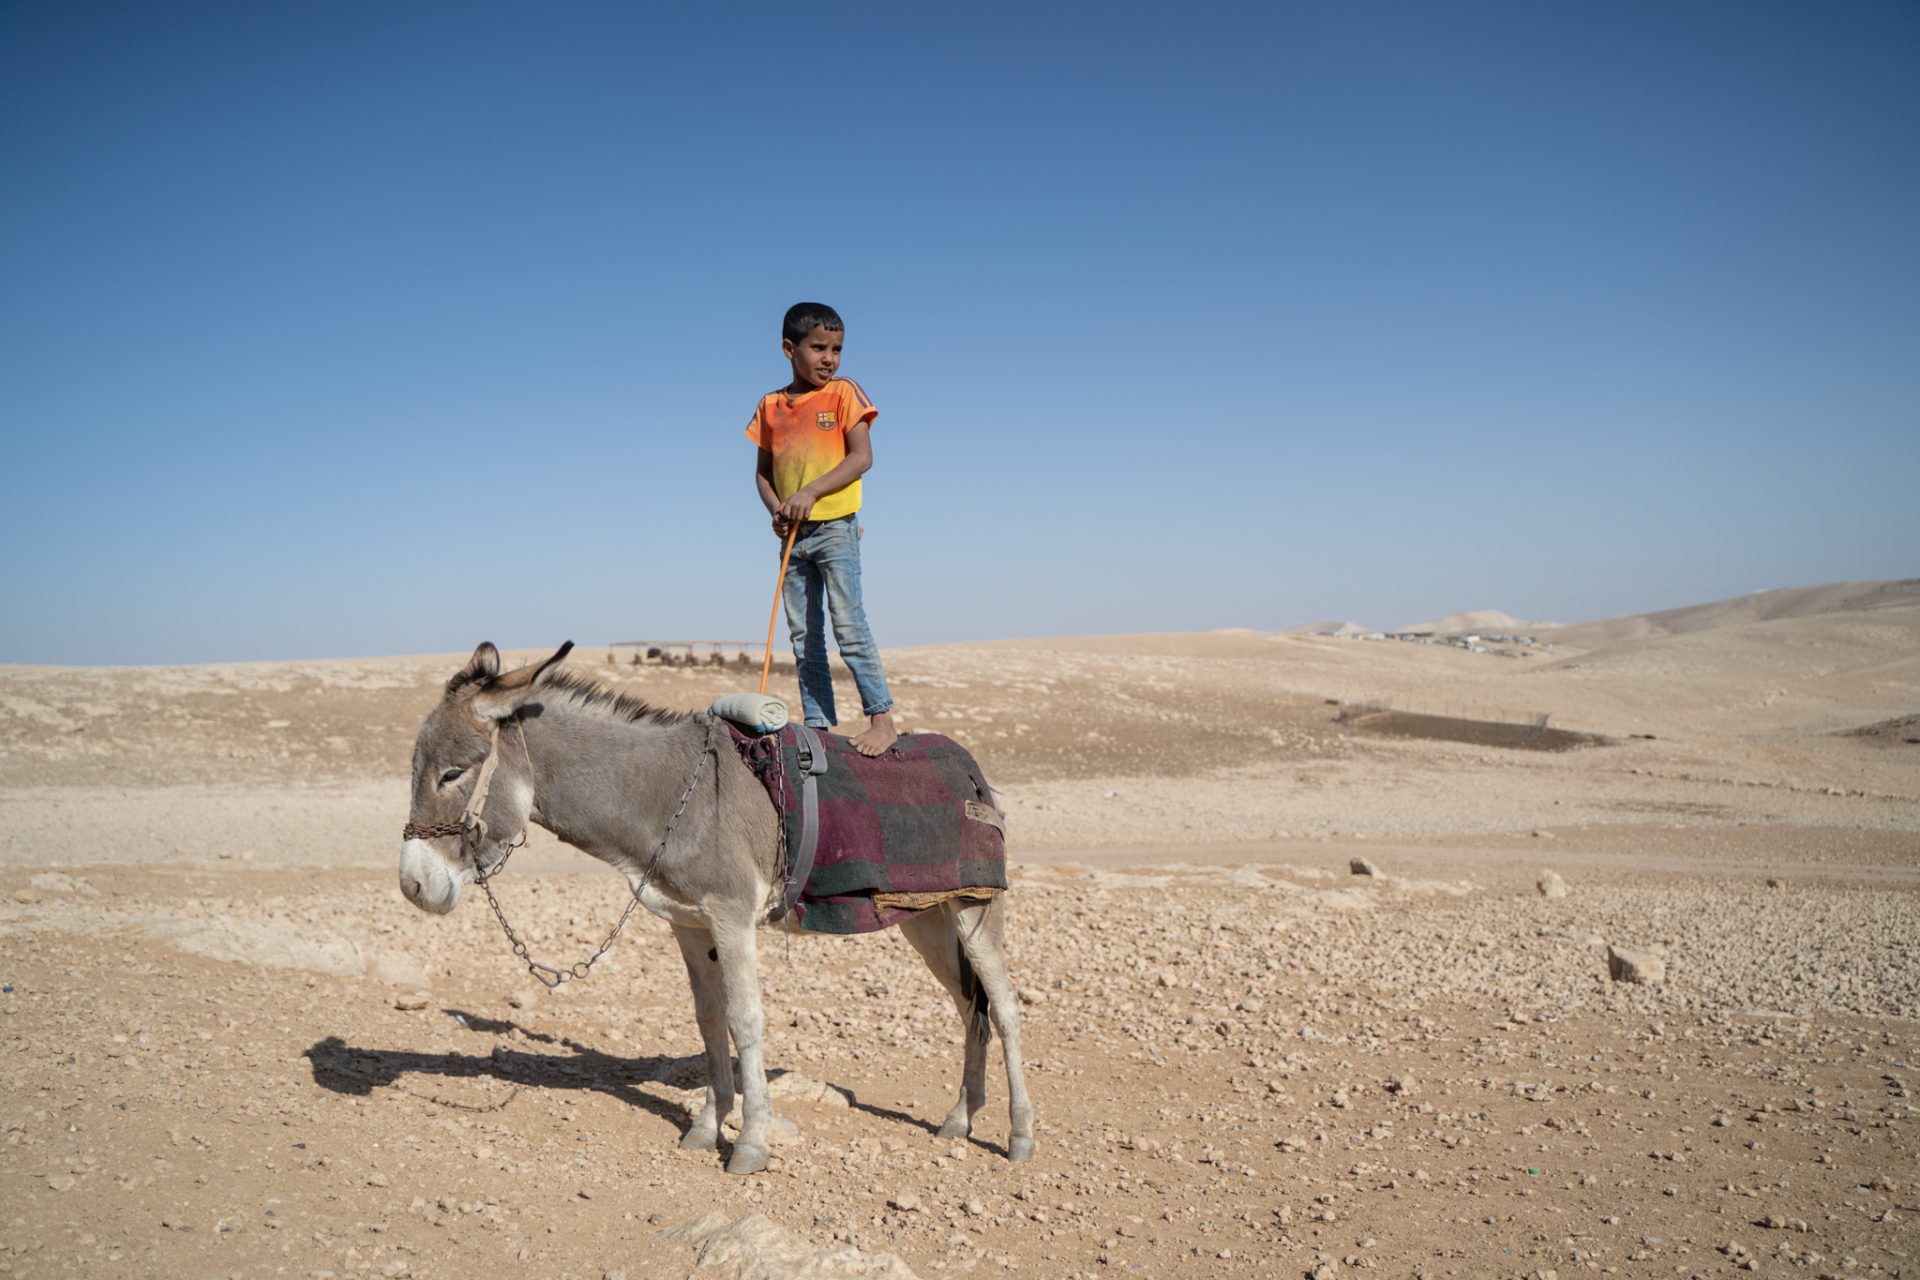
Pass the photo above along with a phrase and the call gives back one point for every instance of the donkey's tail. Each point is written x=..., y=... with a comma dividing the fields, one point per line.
x=979, y=1023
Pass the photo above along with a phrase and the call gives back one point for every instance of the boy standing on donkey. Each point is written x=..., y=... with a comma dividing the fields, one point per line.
x=813, y=442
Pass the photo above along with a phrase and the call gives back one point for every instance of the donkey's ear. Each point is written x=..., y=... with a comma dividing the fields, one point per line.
x=502, y=697
x=482, y=667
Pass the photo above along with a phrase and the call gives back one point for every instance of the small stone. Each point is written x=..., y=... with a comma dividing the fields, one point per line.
x=906, y=1202
x=1362, y=867
x=1624, y=965
x=411, y=1001
x=1551, y=885
x=378, y=1180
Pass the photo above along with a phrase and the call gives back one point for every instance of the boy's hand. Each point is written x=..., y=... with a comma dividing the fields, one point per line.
x=796, y=509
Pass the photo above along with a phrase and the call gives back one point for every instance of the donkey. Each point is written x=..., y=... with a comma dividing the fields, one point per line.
x=603, y=771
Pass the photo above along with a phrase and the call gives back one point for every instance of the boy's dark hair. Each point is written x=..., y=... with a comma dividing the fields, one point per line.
x=804, y=317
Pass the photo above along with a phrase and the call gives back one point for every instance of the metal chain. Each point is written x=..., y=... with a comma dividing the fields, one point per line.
x=547, y=975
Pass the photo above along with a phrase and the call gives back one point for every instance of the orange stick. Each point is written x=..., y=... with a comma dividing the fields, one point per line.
x=766, y=663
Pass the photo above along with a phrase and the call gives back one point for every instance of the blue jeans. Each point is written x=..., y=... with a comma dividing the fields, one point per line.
x=823, y=577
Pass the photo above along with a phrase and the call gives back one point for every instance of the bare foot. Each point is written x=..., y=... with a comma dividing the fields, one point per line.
x=878, y=735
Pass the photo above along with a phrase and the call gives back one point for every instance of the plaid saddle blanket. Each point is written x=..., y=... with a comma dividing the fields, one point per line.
x=895, y=833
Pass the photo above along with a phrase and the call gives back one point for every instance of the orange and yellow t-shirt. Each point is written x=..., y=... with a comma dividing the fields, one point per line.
x=807, y=436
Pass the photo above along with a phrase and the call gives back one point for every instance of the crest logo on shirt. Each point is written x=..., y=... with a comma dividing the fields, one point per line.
x=825, y=420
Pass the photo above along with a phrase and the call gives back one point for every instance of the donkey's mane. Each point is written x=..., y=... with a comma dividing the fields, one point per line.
x=583, y=692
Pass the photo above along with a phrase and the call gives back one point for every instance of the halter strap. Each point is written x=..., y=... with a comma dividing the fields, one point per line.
x=477, y=803
x=471, y=827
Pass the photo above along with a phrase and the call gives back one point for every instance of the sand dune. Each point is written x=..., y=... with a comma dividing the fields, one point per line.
x=1759, y=606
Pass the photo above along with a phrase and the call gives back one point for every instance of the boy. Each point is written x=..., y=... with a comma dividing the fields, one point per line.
x=813, y=450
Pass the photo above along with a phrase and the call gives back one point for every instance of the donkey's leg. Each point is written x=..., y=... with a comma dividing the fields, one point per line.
x=710, y=1009
x=932, y=935
x=982, y=928
x=740, y=976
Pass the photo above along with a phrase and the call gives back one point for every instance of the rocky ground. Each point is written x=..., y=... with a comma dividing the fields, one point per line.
x=233, y=1050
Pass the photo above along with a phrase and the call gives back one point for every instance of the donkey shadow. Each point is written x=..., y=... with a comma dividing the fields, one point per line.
x=339, y=1067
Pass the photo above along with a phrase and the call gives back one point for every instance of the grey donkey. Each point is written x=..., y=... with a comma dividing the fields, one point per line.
x=607, y=774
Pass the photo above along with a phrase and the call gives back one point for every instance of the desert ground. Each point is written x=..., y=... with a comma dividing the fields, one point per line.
x=1312, y=944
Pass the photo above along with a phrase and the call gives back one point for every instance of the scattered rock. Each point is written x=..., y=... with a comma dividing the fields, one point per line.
x=791, y=1086
x=1551, y=885
x=1364, y=867
x=1624, y=965
x=61, y=882
x=754, y=1247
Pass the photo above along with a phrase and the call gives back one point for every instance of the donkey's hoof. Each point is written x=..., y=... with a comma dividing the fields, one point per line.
x=956, y=1126
x=747, y=1160
x=1020, y=1149
x=699, y=1139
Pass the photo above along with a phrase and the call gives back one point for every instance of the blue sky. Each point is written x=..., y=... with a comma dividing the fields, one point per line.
x=366, y=328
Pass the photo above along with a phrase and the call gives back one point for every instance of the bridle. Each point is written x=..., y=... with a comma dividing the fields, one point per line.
x=471, y=826
x=472, y=830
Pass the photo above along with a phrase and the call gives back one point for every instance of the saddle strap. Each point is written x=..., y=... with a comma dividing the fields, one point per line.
x=813, y=763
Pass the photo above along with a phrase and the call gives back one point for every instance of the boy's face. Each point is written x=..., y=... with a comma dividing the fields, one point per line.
x=815, y=357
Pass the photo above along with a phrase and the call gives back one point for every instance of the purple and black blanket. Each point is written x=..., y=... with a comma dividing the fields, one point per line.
x=918, y=819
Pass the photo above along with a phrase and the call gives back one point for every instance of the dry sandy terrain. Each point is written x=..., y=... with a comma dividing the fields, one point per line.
x=232, y=1049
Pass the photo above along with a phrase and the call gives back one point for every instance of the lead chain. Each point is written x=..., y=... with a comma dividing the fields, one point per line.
x=547, y=975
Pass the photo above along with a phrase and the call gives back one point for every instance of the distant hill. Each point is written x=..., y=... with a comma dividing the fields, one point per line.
x=1481, y=620
x=1760, y=606
x=1332, y=629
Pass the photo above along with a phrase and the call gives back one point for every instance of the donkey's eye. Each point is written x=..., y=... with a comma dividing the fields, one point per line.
x=451, y=774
